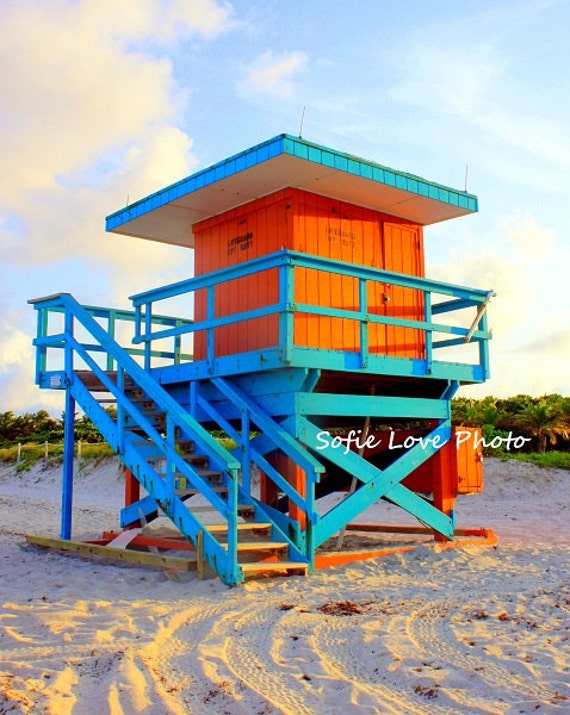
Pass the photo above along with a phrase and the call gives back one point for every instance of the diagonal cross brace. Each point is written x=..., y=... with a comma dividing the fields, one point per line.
x=378, y=483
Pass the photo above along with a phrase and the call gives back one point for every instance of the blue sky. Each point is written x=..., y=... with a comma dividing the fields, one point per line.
x=103, y=102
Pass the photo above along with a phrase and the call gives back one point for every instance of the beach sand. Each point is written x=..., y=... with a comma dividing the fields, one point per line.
x=429, y=632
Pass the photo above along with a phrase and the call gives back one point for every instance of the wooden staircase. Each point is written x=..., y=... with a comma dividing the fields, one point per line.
x=258, y=551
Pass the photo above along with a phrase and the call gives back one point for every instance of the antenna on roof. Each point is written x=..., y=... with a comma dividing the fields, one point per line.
x=466, y=176
x=302, y=122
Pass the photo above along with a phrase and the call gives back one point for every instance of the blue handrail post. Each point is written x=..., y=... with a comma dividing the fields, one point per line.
x=41, y=351
x=177, y=345
x=245, y=451
x=429, y=331
x=286, y=308
x=170, y=464
x=121, y=409
x=210, y=314
x=484, y=347
x=148, y=332
x=111, y=324
x=363, y=309
x=311, y=518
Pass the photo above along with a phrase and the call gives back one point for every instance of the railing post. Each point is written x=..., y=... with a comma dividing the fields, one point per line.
x=245, y=451
x=170, y=465
x=147, y=333
x=41, y=352
x=428, y=332
x=111, y=330
x=120, y=408
x=363, y=322
x=310, y=478
x=177, y=345
x=484, y=347
x=194, y=387
x=210, y=312
x=137, y=334
x=286, y=308
x=232, y=527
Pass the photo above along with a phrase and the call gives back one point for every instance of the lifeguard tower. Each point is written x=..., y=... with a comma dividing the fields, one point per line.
x=309, y=335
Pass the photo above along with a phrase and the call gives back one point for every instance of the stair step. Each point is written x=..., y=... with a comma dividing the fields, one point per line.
x=194, y=492
x=243, y=510
x=212, y=478
x=209, y=473
x=143, y=400
x=273, y=566
x=92, y=382
x=249, y=527
x=135, y=393
x=195, y=458
x=246, y=546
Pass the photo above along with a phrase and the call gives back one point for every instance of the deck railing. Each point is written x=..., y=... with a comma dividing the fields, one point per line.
x=119, y=324
x=450, y=316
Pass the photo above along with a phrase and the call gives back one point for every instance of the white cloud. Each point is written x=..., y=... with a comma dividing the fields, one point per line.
x=273, y=75
x=89, y=115
x=464, y=76
x=16, y=349
x=86, y=117
x=529, y=346
x=17, y=365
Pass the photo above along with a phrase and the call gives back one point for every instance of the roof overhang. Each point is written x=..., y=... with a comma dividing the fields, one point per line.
x=285, y=161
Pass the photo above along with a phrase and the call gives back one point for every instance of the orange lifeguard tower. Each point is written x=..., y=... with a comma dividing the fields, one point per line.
x=310, y=336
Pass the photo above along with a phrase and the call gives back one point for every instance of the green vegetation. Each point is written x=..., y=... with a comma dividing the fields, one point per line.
x=544, y=422
x=551, y=460
x=27, y=454
x=39, y=427
x=23, y=439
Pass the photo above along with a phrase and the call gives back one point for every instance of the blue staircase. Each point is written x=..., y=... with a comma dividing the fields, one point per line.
x=269, y=402
x=170, y=454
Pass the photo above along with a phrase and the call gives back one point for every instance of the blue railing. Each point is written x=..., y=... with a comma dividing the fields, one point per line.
x=438, y=320
x=118, y=324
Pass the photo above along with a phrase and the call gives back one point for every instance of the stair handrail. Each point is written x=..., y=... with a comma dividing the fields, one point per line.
x=142, y=378
x=224, y=561
x=279, y=437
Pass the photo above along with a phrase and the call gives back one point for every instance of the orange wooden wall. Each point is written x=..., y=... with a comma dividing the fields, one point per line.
x=321, y=226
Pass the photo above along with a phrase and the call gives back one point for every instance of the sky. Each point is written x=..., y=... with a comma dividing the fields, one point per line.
x=105, y=101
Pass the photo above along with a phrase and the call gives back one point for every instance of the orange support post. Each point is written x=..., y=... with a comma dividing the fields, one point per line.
x=132, y=492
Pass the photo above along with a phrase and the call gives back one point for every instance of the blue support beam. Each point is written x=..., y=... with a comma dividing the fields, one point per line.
x=68, y=456
x=342, y=405
x=376, y=483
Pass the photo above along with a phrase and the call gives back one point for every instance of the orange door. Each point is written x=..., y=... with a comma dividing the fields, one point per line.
x=403, y=253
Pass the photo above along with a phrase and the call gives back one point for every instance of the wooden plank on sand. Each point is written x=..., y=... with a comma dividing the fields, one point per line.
x=84, y=548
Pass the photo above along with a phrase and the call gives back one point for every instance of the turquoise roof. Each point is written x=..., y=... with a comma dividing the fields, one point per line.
x=286, y=161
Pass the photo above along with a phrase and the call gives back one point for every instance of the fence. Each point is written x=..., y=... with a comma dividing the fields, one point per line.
x=32, y=452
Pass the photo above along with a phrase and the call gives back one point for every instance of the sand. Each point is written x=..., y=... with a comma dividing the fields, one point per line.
x=471, y=630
